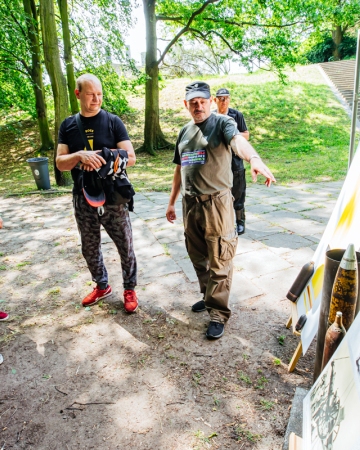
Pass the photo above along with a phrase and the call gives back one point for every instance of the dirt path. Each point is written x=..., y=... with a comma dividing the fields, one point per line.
x=76, y=378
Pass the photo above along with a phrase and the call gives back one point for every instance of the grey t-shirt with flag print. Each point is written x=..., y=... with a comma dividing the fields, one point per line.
x=203, y=152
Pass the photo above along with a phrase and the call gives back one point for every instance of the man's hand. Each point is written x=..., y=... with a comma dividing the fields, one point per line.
x=171, y=214
x=258, y=167
x=90, y=160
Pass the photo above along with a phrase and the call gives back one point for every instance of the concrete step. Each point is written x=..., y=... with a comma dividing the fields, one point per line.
x=341, y=75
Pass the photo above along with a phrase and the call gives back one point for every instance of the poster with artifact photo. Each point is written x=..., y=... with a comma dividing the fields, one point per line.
x=332, y=407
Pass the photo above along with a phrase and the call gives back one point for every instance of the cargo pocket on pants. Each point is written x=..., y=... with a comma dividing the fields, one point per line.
x=227, y=248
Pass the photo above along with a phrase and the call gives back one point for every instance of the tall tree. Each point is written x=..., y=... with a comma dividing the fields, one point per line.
x=263, y=33
x=20, y=51
x=153, y=136
x=64, y=14
x=54, y=70
x=336, y=18
x=36, y=73
x=339, y=16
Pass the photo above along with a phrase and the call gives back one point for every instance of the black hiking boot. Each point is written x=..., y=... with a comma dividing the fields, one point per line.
x=215, y=330
x=198, y=306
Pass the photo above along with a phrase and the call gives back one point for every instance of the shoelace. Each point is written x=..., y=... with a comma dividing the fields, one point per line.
x=130, y=296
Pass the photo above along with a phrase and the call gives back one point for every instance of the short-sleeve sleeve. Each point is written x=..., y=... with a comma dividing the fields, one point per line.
x=62, y=139
x=177, y=158
x=229, y=128
x=241, y=124
x=121, y=133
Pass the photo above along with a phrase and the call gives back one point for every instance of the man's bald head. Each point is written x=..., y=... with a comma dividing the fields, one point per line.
x=86, y=77
x=89, y=92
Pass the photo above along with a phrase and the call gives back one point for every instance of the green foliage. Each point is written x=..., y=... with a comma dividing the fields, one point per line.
x=266, y=405
x=292, y=126
x=15, y=57
x=196, y=377
x=261, y=382
x=242, y=433
x=100, y=23
x=323, y=51
x=243, y=377
x=16, y=92
x=333, y=13
x=257, y=33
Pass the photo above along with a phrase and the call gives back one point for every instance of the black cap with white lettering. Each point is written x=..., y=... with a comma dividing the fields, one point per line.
x=197, y=89
x=222, y=93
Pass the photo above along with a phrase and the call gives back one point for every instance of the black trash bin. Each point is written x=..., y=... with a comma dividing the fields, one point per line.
x=40, y=171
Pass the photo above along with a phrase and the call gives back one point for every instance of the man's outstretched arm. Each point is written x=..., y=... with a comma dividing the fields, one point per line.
x=246, y=151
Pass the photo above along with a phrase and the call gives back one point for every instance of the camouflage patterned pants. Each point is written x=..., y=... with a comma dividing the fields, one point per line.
x=116, y=222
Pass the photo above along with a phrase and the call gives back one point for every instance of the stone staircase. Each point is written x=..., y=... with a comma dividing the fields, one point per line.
x=341, y=75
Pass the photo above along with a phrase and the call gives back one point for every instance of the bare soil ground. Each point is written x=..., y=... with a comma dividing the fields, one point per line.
x=97, y=378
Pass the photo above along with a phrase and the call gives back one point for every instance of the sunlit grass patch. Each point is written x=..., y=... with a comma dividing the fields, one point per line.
x=299, y=128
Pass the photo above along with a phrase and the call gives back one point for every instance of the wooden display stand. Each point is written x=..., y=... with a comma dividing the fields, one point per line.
x=295, y=442
x=298, y=352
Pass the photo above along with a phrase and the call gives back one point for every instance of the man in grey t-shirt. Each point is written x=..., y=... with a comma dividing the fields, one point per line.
x=204, y=177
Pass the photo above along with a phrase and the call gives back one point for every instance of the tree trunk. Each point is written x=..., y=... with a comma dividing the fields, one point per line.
x=63, y=7
x=153, y=136
x=57, y=79
x=337, y=37
x=36, y=75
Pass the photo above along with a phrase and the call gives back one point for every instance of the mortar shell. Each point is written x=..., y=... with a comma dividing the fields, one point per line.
x=345, y=289
x=333, y=338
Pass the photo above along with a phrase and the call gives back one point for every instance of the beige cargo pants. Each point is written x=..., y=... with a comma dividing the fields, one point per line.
x=211, y=244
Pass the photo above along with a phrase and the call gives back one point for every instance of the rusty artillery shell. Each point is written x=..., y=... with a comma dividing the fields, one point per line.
x=300, y=282
x=333, y=337
x=345, y=289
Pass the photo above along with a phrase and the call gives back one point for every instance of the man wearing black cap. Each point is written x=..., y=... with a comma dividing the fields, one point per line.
x=102, y=130
x=204, y=177
x=222, y=101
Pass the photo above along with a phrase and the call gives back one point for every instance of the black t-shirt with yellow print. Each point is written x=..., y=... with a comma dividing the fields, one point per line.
x=102, y=130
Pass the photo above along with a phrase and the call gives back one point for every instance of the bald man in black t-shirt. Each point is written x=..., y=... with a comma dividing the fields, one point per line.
x=101, y=129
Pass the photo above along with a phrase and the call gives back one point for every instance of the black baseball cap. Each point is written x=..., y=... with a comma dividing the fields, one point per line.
x=222, y=92
x=92, y=189
x=95, y=200
x=197, y=89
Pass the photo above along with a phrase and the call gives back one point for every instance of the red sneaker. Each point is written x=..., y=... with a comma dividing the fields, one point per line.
x=130, y=301
x=3, y=316
x=96, y=295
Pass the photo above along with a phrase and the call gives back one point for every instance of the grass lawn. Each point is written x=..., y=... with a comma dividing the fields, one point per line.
x=299, y=129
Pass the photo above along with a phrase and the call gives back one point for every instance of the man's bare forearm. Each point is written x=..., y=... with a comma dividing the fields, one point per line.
x=175, y=188
x=241, y=147
x=245, y=134
x=67, y=162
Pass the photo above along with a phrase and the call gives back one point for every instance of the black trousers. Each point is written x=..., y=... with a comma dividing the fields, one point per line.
x=116, y=222
x=239, y=183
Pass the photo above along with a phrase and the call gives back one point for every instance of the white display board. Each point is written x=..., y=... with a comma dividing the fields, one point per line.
x=332, y=407
x=342, y=229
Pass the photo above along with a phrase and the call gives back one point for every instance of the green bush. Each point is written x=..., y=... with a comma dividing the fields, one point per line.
x=323, y=50
x=114, y=86
x=16, y=92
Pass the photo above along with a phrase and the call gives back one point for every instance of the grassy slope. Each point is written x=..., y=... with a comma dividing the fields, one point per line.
x=300, y=130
